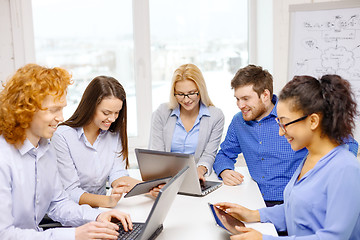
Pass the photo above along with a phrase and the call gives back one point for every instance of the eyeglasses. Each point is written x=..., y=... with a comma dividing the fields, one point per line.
x=192, y=96
x=283, y=126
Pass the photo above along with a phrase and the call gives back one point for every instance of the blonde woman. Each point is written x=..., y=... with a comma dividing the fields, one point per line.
x=189, y=123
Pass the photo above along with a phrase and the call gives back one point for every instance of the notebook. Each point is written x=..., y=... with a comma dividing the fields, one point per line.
x=154, y=223
x=159, y=164
x=225, y=221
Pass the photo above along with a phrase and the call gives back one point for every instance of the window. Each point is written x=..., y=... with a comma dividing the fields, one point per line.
x=96, y=37
x=211, y=34
x=89, y=38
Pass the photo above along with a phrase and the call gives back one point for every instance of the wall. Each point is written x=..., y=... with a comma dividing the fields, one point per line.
x=261, y=33
x=265, y=35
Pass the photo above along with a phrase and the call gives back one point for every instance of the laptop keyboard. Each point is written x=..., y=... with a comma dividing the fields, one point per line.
x=208, y=187
x=133, y=234
x=205, y=185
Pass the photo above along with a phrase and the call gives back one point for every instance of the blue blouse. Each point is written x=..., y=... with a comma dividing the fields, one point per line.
x=183, y=141
x=324, y=204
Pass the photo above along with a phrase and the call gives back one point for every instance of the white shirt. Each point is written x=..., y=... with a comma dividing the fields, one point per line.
x=84, y=167
x=30, y=187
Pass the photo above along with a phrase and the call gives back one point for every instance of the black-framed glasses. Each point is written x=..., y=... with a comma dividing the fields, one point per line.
x=191, y=96
x=283, y=126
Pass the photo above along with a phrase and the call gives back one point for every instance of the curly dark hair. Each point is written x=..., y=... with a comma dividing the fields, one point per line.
x=331, y=96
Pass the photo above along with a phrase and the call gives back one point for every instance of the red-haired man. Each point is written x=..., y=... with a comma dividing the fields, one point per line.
x=31, y=105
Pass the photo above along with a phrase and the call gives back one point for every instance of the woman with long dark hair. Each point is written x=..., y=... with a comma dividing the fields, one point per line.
x=92, y=145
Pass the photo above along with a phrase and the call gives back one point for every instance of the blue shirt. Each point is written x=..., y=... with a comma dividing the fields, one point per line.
x=324, y=204
x=183, y=141
x=30, y=187
x=84, y=167
x=269, y=157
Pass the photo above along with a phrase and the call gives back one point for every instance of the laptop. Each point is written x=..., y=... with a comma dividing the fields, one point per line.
x=159, y=164
x=154, y=223
x=225, y=221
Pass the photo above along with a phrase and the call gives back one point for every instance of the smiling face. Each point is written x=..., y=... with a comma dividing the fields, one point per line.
x=251, y=105
x=107, y=112
x=45, y=121
x=298, y=134
x=190, y=102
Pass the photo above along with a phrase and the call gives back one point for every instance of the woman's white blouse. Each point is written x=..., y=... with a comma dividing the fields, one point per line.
x=84, y=167
x=30, y=187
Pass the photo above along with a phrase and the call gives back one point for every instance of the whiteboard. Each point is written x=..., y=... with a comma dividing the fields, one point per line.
x=324, y=38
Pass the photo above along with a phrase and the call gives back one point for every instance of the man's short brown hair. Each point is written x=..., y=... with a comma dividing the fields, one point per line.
x=253, y=75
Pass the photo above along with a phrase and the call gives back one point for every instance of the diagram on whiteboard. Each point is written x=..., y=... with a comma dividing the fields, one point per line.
x=326, y=42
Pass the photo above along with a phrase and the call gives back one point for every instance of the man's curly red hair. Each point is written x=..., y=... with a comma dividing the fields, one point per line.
x=23, y=95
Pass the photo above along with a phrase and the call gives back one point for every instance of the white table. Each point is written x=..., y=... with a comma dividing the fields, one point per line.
x=190, y=217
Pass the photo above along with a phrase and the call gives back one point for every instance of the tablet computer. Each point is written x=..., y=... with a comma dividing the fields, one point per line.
x=225, y=221
x=145, y=187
